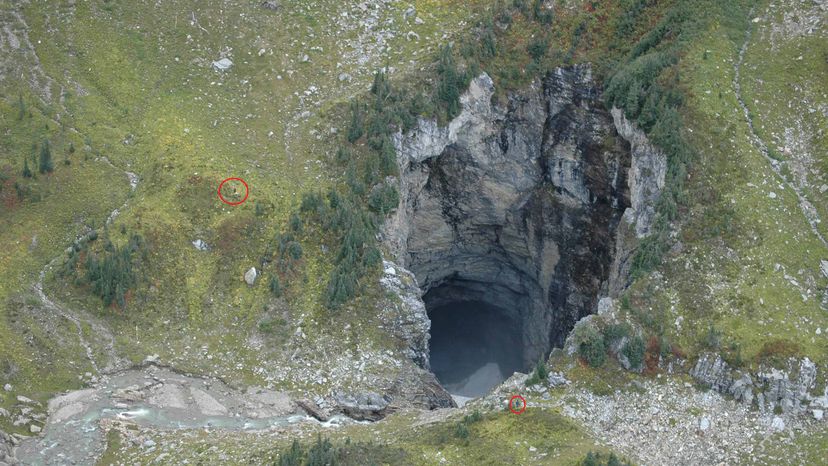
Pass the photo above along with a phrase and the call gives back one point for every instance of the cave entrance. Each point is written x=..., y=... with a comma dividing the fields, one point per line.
x=508, y=219
x=474, y=346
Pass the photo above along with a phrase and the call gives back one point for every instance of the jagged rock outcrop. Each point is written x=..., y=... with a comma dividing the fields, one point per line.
x=768, y=388
x=519, y=205
x=7, y=444
x=406, y=318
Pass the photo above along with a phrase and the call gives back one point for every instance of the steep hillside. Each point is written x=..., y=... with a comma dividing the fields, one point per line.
x=635, y=188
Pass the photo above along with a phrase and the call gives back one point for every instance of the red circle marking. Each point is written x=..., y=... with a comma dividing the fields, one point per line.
x=246, y=191
x=512, y=401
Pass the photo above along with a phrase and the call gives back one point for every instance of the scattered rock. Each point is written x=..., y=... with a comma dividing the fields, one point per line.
x=250, y=276
x=823, y=265
x=222, y=65
x=368, y=406
x=557, y=378
x=409, y=13
x=272, y=5
x=412, y=36
x=149, y=443
x=344, y=77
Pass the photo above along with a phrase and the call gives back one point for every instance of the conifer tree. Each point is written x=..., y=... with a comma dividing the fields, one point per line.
x=27, y=172
x=46, y=164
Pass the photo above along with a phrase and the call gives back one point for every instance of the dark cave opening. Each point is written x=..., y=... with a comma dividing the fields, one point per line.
x=511, y=225
x=474, y=346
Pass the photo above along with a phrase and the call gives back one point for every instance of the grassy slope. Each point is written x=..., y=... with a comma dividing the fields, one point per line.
x=140, y=91
x=743, y=250
x=539, y=436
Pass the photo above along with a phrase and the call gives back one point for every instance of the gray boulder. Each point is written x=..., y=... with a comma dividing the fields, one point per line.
x=222, y=65
x=250, y=276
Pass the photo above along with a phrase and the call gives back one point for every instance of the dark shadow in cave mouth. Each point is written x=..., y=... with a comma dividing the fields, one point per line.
x=474, y=346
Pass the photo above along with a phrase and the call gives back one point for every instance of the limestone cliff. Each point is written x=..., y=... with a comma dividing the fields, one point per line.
x=519, y=204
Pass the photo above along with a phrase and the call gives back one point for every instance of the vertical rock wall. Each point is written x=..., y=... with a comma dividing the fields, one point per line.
x=519, y=205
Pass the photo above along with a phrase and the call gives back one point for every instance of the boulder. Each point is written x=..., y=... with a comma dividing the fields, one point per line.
x=367, y=406
x=313, y=410
x=223, y=64
x=250, y=276
x=777, y=424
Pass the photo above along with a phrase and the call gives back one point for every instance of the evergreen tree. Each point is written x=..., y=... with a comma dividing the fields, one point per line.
x=355, y=129
x=46, y=165
x=448, y=89
x=27, y=173
x=21, y=113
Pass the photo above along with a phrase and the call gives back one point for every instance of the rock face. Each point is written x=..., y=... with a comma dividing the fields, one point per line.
x=519, y=205
x=789, y=389
x=7, y=443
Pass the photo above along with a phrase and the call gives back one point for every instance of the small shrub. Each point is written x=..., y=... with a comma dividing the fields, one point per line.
x=777, y=352
x=634, y=351
x=295, y=223
x=592, y=348
x=539, y=375
x=712, y=338
x=601, y=459
x=275, y=286
x=384, y=199
x=537, y=48
x=294, y=250
x=310, y=202
x=461, y=431
x=615, y=332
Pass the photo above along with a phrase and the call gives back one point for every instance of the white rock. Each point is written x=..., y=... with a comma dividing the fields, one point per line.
x=704, y=424
x=222, y=65
x=772, y=195
x=250, y=276
x=777, y=424
x=823, y=264
x=34, y=429
x=23, y=399
x=7, y=387
x=819, y=414
x=200, y=245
